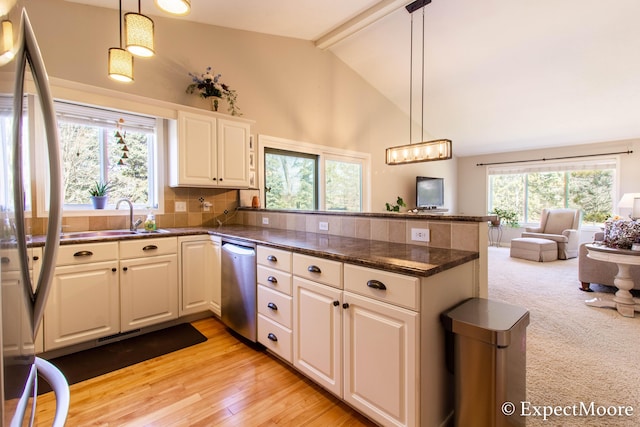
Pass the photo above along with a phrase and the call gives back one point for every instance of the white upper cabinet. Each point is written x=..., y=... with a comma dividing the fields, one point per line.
x=205, y=151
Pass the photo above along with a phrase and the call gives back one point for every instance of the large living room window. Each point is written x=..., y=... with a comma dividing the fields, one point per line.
x=586, y=185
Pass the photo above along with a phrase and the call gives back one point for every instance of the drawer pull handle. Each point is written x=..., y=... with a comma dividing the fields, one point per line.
x=272, y=279
x=376, y=284
x=336, y=303
x=272, y=337
x=272, y=306
x=5, y=260
x=314, y=269
x=272, y=258
x=83, y=253
x=150, y=248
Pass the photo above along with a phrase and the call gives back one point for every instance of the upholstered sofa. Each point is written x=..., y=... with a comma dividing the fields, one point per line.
x=600, y=272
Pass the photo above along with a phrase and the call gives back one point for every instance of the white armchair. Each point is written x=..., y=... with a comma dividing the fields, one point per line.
x=561, y=226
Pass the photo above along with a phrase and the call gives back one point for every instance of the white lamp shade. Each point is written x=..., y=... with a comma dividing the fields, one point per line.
x=635, y=213
x=175, y=7
x=138, y=34
x=120, y=64
x=626, y=202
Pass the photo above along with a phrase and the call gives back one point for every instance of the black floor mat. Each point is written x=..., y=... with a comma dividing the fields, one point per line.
x=98, y=361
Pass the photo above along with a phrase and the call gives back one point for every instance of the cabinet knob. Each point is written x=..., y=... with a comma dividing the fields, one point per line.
x=272, y=306
x=5, y=260
x=125, y=268
x=272, y=258
x=272, y=337
x=314, y=269
x=35, y=258
x=336, y=303
x=114, y=269
x=215, y=179
x=376, y=284
x=345, y=305
x=220, y=179
x=272, y=279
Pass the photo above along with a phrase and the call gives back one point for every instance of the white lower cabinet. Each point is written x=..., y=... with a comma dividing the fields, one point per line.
x=199, y=260
x=148, y=282
x=84, y=301
x=359, y=343
x=274, y=300
x=381, y=360
x=317, y=350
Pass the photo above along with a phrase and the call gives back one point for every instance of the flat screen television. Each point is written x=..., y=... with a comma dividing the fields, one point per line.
x=429, y=192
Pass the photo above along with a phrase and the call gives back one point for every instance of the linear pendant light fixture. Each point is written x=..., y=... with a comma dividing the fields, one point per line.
x=120, y=60
x=138, y=31
x=175, y=7
x=424, y=151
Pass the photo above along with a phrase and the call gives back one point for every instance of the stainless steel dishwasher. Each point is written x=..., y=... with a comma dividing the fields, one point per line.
x=239, y=288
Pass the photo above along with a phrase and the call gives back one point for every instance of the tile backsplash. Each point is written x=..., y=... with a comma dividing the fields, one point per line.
x=221, y=200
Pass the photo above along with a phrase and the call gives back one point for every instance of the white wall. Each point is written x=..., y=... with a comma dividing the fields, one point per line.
x=290, y=88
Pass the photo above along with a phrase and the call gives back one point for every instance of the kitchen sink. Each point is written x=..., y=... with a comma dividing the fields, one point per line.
x=108, y=233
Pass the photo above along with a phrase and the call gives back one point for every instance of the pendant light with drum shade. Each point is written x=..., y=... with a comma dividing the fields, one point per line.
x=425, y=151
x=138, y=33
x=175, y=7
x=120, y=60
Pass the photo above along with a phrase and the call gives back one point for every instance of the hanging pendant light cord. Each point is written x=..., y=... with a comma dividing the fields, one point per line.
x=120, y=21
x=411, y=84
x=422, y=83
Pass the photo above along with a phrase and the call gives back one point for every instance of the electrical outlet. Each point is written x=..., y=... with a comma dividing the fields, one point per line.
x=420, y=234
x=324, y=226
x=265, y=220
x=181, y=206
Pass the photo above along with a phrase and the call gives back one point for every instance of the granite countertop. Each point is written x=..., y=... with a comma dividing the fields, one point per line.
x=397, y=257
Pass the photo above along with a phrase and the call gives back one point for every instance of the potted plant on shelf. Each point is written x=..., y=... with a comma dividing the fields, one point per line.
x=99, y=193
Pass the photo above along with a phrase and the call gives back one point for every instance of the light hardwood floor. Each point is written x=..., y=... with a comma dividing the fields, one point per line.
x=221, y=382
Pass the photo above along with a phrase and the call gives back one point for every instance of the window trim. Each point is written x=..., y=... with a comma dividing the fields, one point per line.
x=157, y=182
x=323, y=152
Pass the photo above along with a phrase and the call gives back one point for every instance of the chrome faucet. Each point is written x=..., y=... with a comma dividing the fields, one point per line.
x=132, y=225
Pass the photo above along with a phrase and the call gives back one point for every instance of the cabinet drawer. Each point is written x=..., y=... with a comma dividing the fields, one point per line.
x=274, y=258
x=275, y=305
x=400, y=289
x=89, y=252
x=275, y=337
x=318, y=269
x=141, y=248
x=10, y=260
x=274, y=279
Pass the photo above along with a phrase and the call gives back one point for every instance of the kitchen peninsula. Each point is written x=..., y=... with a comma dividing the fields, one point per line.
x=380, y=348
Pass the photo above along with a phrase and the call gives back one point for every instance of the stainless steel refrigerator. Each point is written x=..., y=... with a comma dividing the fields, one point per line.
x=22, y=303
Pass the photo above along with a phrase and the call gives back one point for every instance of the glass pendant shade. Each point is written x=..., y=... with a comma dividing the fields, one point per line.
x=439, y=149
x=138, y=34
x=120, y=64
x=175, y=7
x=7, y=42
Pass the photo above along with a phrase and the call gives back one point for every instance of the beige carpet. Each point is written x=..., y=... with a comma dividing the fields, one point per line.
x=575, y=353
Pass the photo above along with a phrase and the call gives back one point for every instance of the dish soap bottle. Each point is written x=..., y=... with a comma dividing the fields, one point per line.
x=150, y=222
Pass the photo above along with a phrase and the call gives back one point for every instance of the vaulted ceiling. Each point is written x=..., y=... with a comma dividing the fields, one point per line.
x=499, y=75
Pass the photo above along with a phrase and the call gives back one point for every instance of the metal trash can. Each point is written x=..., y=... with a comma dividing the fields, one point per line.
x=486, y=351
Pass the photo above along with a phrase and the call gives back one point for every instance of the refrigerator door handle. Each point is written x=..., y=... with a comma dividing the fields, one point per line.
x=29, y=51
x=58, y=383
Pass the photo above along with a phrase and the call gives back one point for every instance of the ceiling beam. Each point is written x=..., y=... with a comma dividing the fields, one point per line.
x=358, y=22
